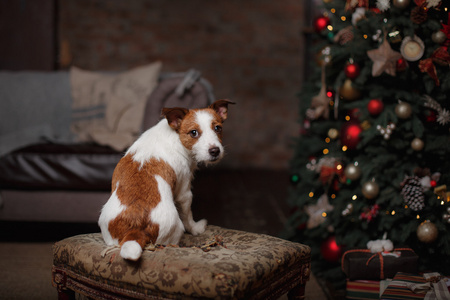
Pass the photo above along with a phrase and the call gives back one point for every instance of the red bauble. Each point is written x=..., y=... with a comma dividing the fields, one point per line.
x=321, y=23
x=352, y=70
x=402, y=64
x=350, y=134
x=430, y=116
x=375, y=107
x=330, y=250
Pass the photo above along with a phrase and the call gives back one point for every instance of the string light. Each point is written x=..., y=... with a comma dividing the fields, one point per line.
x=393, y=212
x=324, y=214
x=365, y=36
x=347, y=118
x=325, y=151
x=417, y=217
x=333, y=196
x=327, y=140
x=339, y=167
x=333, y=10
x=344, y=148
x=343, y=18
x=354, y=197
x=311, y=194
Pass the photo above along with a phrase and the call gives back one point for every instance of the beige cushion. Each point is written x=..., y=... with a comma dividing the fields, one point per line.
x=109, y=109
x=246, y=264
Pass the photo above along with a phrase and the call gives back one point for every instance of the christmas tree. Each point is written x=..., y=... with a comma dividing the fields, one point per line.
x=372, y=157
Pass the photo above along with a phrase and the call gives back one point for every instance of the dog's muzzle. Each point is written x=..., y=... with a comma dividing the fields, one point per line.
x=214, y=152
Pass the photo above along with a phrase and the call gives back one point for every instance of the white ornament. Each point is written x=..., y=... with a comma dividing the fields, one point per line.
x=359, y=13
x=425, y=182
x=386, y=131
x=383, y=5
x=433, y=3
x=380, y=245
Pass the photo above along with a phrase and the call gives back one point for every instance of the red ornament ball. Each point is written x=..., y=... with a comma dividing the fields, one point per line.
x=330, y=250
x=350, y=134
x=433, y=183
x=375, y=107
x=430, y=116
x=320, y=23
x=401, y=65
x=352, y=70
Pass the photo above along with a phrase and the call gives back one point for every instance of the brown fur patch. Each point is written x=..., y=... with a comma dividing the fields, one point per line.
x=138, y=191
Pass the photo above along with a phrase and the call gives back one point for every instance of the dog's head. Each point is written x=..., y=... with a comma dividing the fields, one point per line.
x=200, y=130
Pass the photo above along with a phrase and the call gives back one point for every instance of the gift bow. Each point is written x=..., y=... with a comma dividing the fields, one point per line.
x=434, y=290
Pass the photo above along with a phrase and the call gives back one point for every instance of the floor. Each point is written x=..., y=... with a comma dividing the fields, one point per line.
x=251, y=200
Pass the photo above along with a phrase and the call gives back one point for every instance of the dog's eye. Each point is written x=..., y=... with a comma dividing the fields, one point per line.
x=218, y=129
x=193, y=133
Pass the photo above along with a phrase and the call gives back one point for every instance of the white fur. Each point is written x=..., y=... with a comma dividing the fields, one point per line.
x=165, y=214
x=110, y=211
x=131, y=250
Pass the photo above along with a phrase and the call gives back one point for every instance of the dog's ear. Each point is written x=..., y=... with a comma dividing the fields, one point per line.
x=174, y=116
x=221, y=107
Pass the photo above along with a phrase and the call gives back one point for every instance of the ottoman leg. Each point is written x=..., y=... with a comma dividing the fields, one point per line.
x=297, y=292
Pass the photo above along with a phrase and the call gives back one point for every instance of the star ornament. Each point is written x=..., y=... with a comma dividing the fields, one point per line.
x=384, y=59
x=317, y=212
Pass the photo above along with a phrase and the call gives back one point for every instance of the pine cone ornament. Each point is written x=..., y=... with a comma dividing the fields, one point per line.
x=419, y=14
x=412, y=192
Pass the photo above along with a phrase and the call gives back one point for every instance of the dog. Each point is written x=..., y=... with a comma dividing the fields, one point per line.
x=151, y=185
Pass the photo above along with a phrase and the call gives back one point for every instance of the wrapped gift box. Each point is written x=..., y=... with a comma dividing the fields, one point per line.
x=361, y=264
x=363, y=289
x=397, y=288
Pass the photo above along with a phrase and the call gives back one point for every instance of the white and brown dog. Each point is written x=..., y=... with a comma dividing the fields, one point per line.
x=151, y=185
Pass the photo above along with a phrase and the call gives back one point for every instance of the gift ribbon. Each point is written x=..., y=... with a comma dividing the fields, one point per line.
x=373, y=256
x=432, y=290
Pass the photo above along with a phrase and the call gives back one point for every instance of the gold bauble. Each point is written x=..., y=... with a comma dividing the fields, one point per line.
x=403, y=110
x=352, y=172
x=370, y=189
x=348, y=92
x=401, y=4
x=333, y=133
x=427, y=232
x=417, y=144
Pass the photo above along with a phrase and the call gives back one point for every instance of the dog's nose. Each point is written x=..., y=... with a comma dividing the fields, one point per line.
x=214, y=151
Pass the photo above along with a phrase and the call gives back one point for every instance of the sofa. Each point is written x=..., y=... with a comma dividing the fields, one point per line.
x=62, y=134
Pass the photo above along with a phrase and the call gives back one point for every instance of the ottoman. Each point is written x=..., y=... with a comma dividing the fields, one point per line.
x=220, y=263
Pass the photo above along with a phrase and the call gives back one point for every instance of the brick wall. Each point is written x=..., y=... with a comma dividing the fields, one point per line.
x=251, y=51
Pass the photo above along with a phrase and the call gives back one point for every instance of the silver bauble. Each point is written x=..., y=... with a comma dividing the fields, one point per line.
x=446, y=218
x=403, y=110
x=417, y=144
x=401, y=4
x=438, y=37
x=370, y=189
x=427, y=232
x=352, y=172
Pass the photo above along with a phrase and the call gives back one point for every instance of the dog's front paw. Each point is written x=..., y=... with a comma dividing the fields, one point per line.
x=199, y=227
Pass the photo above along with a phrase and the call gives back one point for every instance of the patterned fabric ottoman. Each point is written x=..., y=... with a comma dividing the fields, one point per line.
x=220, y=263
